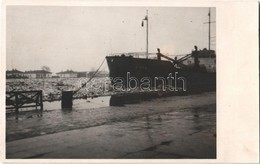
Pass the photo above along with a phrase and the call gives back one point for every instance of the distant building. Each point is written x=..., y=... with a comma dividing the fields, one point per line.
x=82, y=74
x=97, y=74
x=14, y=73
x=102, y=74
x=55, y=76
x=37, y=74
x=67, y=74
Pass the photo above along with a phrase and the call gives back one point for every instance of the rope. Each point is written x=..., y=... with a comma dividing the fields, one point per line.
x=83, y=85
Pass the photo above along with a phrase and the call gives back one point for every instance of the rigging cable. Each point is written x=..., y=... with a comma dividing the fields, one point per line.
x=83, y=85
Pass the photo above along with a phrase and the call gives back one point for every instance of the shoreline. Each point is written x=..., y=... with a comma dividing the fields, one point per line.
x=183, y=133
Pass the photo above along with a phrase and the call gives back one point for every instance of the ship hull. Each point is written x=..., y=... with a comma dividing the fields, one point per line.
x=127, y=67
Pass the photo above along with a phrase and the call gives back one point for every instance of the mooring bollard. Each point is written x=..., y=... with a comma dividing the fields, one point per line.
x=66, y=99
x=116, y=100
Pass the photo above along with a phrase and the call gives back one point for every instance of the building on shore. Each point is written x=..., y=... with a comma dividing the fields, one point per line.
x=14, y=74
x=103, y=74
x=67, y=74
x=98, y=74
x=82, y=74
x=37, y=74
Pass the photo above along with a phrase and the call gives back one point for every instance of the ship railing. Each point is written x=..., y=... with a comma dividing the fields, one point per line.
x=143, y=55
x=24, y=99
x=135, y=54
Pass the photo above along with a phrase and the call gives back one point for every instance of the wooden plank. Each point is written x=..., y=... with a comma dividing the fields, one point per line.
x=24, y=91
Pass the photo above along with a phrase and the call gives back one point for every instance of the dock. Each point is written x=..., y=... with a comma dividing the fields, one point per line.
x=163, y=128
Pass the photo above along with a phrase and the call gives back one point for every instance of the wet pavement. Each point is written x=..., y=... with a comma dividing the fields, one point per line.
x=169, y=127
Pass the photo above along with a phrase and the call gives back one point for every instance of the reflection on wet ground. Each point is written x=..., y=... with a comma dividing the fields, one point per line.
x=172, y=127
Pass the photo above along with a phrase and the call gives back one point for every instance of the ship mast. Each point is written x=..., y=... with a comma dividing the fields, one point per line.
x=146, y=33
x=209, y=28
x=146, y=19
x=209, y=22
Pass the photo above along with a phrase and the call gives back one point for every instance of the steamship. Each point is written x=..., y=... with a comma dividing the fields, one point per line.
x=197, y=68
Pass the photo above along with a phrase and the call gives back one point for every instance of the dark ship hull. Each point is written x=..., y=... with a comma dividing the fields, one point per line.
x=195, y=79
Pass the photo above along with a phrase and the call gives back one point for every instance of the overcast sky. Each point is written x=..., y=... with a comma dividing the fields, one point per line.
x=79, y=38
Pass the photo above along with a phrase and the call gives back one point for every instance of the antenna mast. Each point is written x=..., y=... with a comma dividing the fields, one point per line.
x=146, y=19
x=209, y=22
x=146, y=33
x=209, y=28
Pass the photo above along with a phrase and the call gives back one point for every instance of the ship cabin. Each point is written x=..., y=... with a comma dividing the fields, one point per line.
x=205, y=58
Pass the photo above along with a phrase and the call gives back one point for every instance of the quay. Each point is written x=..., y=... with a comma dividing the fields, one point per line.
x=162, y=128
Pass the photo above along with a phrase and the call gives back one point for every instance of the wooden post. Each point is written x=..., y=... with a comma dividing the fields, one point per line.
x=16, y=106
x=16, y=103
x=41, y=101
x=37, y=100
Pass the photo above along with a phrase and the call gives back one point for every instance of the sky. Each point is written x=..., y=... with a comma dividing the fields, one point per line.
x=79, y=38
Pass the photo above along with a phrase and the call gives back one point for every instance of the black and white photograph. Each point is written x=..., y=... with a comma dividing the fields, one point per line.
x=111, y=82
